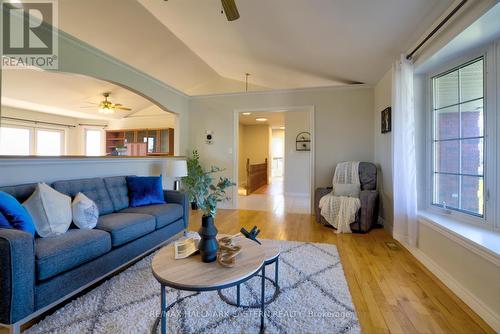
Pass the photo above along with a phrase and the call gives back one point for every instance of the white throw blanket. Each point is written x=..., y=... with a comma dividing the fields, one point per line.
x=340, y=211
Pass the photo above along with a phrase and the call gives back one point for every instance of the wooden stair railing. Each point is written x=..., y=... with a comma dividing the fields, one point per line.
x=256, y=176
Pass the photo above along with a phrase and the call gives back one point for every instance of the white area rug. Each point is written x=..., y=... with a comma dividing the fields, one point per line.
x=314, y=298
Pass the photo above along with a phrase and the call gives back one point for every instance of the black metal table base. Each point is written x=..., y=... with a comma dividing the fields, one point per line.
x=237, y=302
x=163, y=317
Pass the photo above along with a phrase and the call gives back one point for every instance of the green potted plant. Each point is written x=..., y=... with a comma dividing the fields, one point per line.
x=194, y=176
x=207, y=195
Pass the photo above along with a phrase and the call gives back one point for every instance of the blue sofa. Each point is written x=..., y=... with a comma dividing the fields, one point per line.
x=37, y=273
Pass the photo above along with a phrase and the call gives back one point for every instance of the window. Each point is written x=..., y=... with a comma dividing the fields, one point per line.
x=458, y=139
x=24, y=140
x=49, y=142
x=93, y=142
x=14, y=141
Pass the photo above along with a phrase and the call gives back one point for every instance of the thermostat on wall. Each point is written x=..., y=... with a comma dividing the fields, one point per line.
x=209, y=137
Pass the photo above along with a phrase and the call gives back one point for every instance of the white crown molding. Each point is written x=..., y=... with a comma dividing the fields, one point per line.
x=283, y=91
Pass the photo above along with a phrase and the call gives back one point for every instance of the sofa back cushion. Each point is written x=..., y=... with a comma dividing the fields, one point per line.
x=50, y=210
x=21, y=192
x=118, y=191
x=92, y=188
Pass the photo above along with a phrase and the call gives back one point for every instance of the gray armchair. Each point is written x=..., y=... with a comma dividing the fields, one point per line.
x=367, y=215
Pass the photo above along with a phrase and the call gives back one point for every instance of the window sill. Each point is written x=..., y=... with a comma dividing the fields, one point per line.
x=481, y=241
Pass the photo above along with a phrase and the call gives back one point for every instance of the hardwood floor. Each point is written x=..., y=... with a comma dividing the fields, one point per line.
x=391, y=290
x=272, y=198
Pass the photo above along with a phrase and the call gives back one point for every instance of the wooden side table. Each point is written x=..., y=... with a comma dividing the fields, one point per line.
x=191, y=274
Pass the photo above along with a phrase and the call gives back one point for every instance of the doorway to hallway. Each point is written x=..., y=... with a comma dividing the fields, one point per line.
x=273, y=175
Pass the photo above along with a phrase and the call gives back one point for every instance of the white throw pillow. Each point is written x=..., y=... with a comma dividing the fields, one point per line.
x=50, y=210
x=85, y=212
x=348, y=190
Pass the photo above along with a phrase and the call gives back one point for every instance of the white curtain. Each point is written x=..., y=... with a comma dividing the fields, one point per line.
x=403, y=155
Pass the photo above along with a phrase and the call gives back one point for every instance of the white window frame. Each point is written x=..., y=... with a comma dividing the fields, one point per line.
x=33, y=129
x=17, y=126
x=491, y=58
x=103, y=135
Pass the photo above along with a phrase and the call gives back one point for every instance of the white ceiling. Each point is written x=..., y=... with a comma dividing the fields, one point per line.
x=275, y=119
x=127, y=31
x=67, y=94
x=190, y=45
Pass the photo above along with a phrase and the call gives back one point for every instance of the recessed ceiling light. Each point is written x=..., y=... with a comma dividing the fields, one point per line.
x=246, y=113
x=261, y=119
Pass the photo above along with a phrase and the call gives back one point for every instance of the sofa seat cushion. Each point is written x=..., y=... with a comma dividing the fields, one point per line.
x=165, y=214
x=54, y=255
x=125, y=227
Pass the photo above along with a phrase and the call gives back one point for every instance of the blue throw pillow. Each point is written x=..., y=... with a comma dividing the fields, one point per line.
x=4, y=223
x=16, y=214
x=144, y=190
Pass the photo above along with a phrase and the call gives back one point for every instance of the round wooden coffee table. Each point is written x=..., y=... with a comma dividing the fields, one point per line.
x=191, y=274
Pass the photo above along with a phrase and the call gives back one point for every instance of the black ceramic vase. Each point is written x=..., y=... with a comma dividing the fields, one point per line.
x=208, y=245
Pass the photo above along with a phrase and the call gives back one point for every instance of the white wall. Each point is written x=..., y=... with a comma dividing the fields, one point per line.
x=343, y=125
x=383, y=150
x=255, y=140
x=297, y=179
x=19, y=171
x=473, y=277
x=144, y=122
x=253, y=144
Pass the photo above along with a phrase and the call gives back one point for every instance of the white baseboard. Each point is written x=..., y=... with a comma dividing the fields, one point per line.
x=486, y=313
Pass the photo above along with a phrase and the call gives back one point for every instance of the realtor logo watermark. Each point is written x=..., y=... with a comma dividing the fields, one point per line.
x=29, y=34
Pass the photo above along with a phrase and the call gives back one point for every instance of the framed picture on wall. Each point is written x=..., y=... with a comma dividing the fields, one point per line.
x=386, y=120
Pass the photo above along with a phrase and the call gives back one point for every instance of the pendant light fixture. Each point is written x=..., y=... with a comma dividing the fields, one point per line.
x=246, y=81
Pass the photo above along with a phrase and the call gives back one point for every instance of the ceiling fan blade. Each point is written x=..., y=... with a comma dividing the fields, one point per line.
x=120, y=107
x=230, y=9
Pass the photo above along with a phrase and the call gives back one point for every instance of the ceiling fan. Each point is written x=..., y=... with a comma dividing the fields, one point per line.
x=108, y=107
x=230, y=9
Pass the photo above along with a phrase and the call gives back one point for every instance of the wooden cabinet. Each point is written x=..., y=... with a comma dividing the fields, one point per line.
x=158, y=141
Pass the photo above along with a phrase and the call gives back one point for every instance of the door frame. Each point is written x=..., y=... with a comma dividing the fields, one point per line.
x=309, y=108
